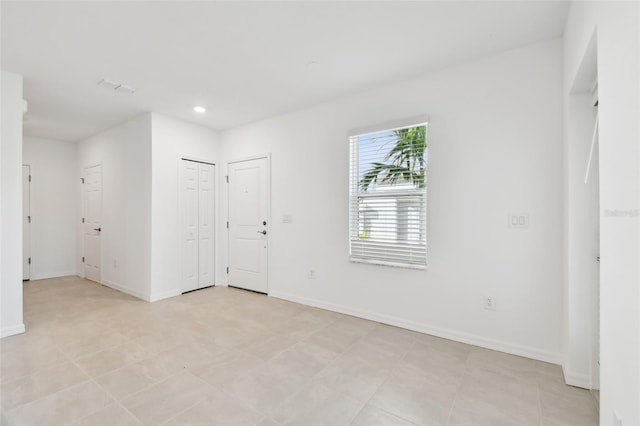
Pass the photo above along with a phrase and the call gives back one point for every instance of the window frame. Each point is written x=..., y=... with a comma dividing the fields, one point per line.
x=355, y=195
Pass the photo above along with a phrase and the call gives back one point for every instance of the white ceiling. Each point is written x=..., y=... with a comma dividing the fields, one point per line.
x=244, y=61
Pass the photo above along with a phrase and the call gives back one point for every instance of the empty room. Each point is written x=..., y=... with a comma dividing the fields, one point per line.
x=320, y=213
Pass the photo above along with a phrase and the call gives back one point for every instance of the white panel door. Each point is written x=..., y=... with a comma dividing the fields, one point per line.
x=26, y=223
x=92, y=227
x=197, y=197
x=205, y=224
x=189, y=215
x=594, y=191
x=248, y=224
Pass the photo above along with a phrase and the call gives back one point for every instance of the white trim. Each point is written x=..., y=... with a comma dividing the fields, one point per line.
x=164, y=295
x=249, y=158
x=12, y=330
x=48, y=275
x=510, y=348
x=124, y=289
x=379, y=262
x=575, y=379
x=29, y=237
x=196, y=159
x=419, y=120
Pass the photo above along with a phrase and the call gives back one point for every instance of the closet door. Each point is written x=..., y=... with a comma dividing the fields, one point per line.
x=189, y=225
x=206, y=186
x=197, y=209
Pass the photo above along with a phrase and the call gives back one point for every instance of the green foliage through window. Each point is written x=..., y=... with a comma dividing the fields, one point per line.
x=404, y=163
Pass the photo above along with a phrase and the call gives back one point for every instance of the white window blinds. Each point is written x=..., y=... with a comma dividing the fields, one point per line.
x=387, y=191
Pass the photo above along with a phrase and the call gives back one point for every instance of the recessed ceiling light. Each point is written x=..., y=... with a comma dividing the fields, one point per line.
x=199, y=109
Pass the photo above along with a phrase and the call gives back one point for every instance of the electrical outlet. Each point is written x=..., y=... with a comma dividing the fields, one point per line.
x=489, y=303
x=312, y=274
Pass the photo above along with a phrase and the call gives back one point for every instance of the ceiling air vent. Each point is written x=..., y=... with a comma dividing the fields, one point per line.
x=118, y=87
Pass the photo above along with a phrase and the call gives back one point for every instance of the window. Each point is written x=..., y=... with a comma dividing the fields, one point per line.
x=388, y=197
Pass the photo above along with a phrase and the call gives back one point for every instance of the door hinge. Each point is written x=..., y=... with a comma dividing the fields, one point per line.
x=227, y=224
x=83, y=220
x=29, y=261
x=29, y=219
x=227, y=177
x=29, y=178
x=82, y=180
x=227, y=270
x=82, y=259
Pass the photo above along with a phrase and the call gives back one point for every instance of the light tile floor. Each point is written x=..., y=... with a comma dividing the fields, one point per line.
x=95, y=356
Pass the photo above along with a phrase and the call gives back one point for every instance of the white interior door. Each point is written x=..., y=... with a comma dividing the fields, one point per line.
x=248, y=224
x=92, y=202
x=26, y=222
x=197, y=204
x=206, y=186
x=594, y=190
x=189, y=215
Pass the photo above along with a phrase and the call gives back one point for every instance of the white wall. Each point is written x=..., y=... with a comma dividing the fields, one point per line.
x=125, y=154
x=495, y=146
x=171, y=140
x=53, y=206
x=11, y=204
x=616, y=24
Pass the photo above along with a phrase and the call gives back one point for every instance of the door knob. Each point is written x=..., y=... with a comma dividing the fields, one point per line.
x=262, y=232
x=97, y=229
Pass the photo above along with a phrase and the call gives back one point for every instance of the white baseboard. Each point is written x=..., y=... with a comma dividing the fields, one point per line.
x=126, y=290
x=12, y=330
x=48, y=275
x=164, y=295
x=577, y=380
x=458, y=336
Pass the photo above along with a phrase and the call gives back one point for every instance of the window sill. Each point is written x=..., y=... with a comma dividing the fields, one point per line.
x=387, y=263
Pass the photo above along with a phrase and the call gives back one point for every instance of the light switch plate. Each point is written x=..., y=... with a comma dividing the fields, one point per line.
x=518, y=220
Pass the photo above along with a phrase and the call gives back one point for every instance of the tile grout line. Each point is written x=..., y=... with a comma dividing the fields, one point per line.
x=539, y=398
x=391, y=372
x=310, y=379
x=45, y=368
x=88, y=354
x=47, y=396
x=116, y=401
x=455, y=397
x=198, y=401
